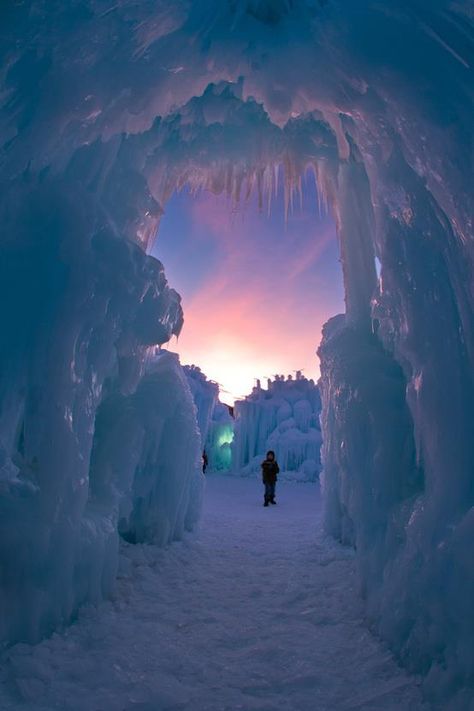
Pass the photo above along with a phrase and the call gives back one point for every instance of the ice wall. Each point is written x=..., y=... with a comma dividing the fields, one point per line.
x=216, y=425
x=284, y=418
x=398, y=442
x=80, y=308
x=118, y=104
x=205, y=393
x=146, y=456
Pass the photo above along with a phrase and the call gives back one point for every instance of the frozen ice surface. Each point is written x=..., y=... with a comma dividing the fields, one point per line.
x=284, y=418
x=259, y=613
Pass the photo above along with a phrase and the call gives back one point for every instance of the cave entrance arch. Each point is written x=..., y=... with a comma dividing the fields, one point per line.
x=257, y=283
x=254, y=282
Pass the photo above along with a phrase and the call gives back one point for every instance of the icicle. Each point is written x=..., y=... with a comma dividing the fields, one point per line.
x=323, y=185
x=259, y=190
x=250, y=183
x=268, y=187
x=228, y=179
x=269, y=201
x=238, y=186
x=300, y=191
x=276, y=175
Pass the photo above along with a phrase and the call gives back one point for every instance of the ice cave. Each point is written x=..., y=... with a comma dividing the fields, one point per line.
x=107, y=108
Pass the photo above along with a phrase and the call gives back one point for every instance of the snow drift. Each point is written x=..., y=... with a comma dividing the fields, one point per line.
x=106, y=108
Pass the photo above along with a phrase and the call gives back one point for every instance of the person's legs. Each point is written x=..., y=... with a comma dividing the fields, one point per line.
x=268, y=494
x=272, y=493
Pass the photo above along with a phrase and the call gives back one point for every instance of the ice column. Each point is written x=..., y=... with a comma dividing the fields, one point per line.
x=79, y=307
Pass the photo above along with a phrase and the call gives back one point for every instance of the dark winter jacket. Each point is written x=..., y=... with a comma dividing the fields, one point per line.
x=270, y=470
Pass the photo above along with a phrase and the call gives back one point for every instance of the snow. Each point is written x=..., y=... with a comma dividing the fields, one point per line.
x=285, y=419
x=259, y=612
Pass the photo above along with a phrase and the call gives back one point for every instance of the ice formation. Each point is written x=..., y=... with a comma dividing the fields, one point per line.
x=85, y=438
x=220, y=438
x=205, y=393
x=216, y=425
x=106, y=108
x=284, y=418
x=146, y=455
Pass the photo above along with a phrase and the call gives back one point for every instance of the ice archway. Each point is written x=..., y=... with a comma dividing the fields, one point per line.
x=107, y=107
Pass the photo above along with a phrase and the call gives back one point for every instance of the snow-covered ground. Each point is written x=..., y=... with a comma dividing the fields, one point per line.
x=259, y=612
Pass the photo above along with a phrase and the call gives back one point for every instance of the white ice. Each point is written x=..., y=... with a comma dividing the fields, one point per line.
x=215, y=423
x=284, y=418
x=205, y=394
x=258, y=613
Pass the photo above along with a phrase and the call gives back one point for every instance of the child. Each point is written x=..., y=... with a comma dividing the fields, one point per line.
x=270, y=470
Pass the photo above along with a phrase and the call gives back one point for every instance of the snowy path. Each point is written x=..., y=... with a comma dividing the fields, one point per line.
x=259, y=613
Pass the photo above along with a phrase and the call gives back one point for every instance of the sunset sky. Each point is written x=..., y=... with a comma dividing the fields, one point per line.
x=255, y=291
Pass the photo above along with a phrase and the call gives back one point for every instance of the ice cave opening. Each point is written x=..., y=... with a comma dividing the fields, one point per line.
x=248, y=268
x=106, y=109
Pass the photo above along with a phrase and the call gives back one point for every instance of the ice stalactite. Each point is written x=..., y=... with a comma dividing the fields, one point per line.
x=355, y=222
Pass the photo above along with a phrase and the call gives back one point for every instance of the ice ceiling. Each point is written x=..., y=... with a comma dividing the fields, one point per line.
x=108, y=106
x=134, y=99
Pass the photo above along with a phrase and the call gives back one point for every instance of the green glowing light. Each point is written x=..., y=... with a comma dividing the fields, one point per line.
x=225, y=437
